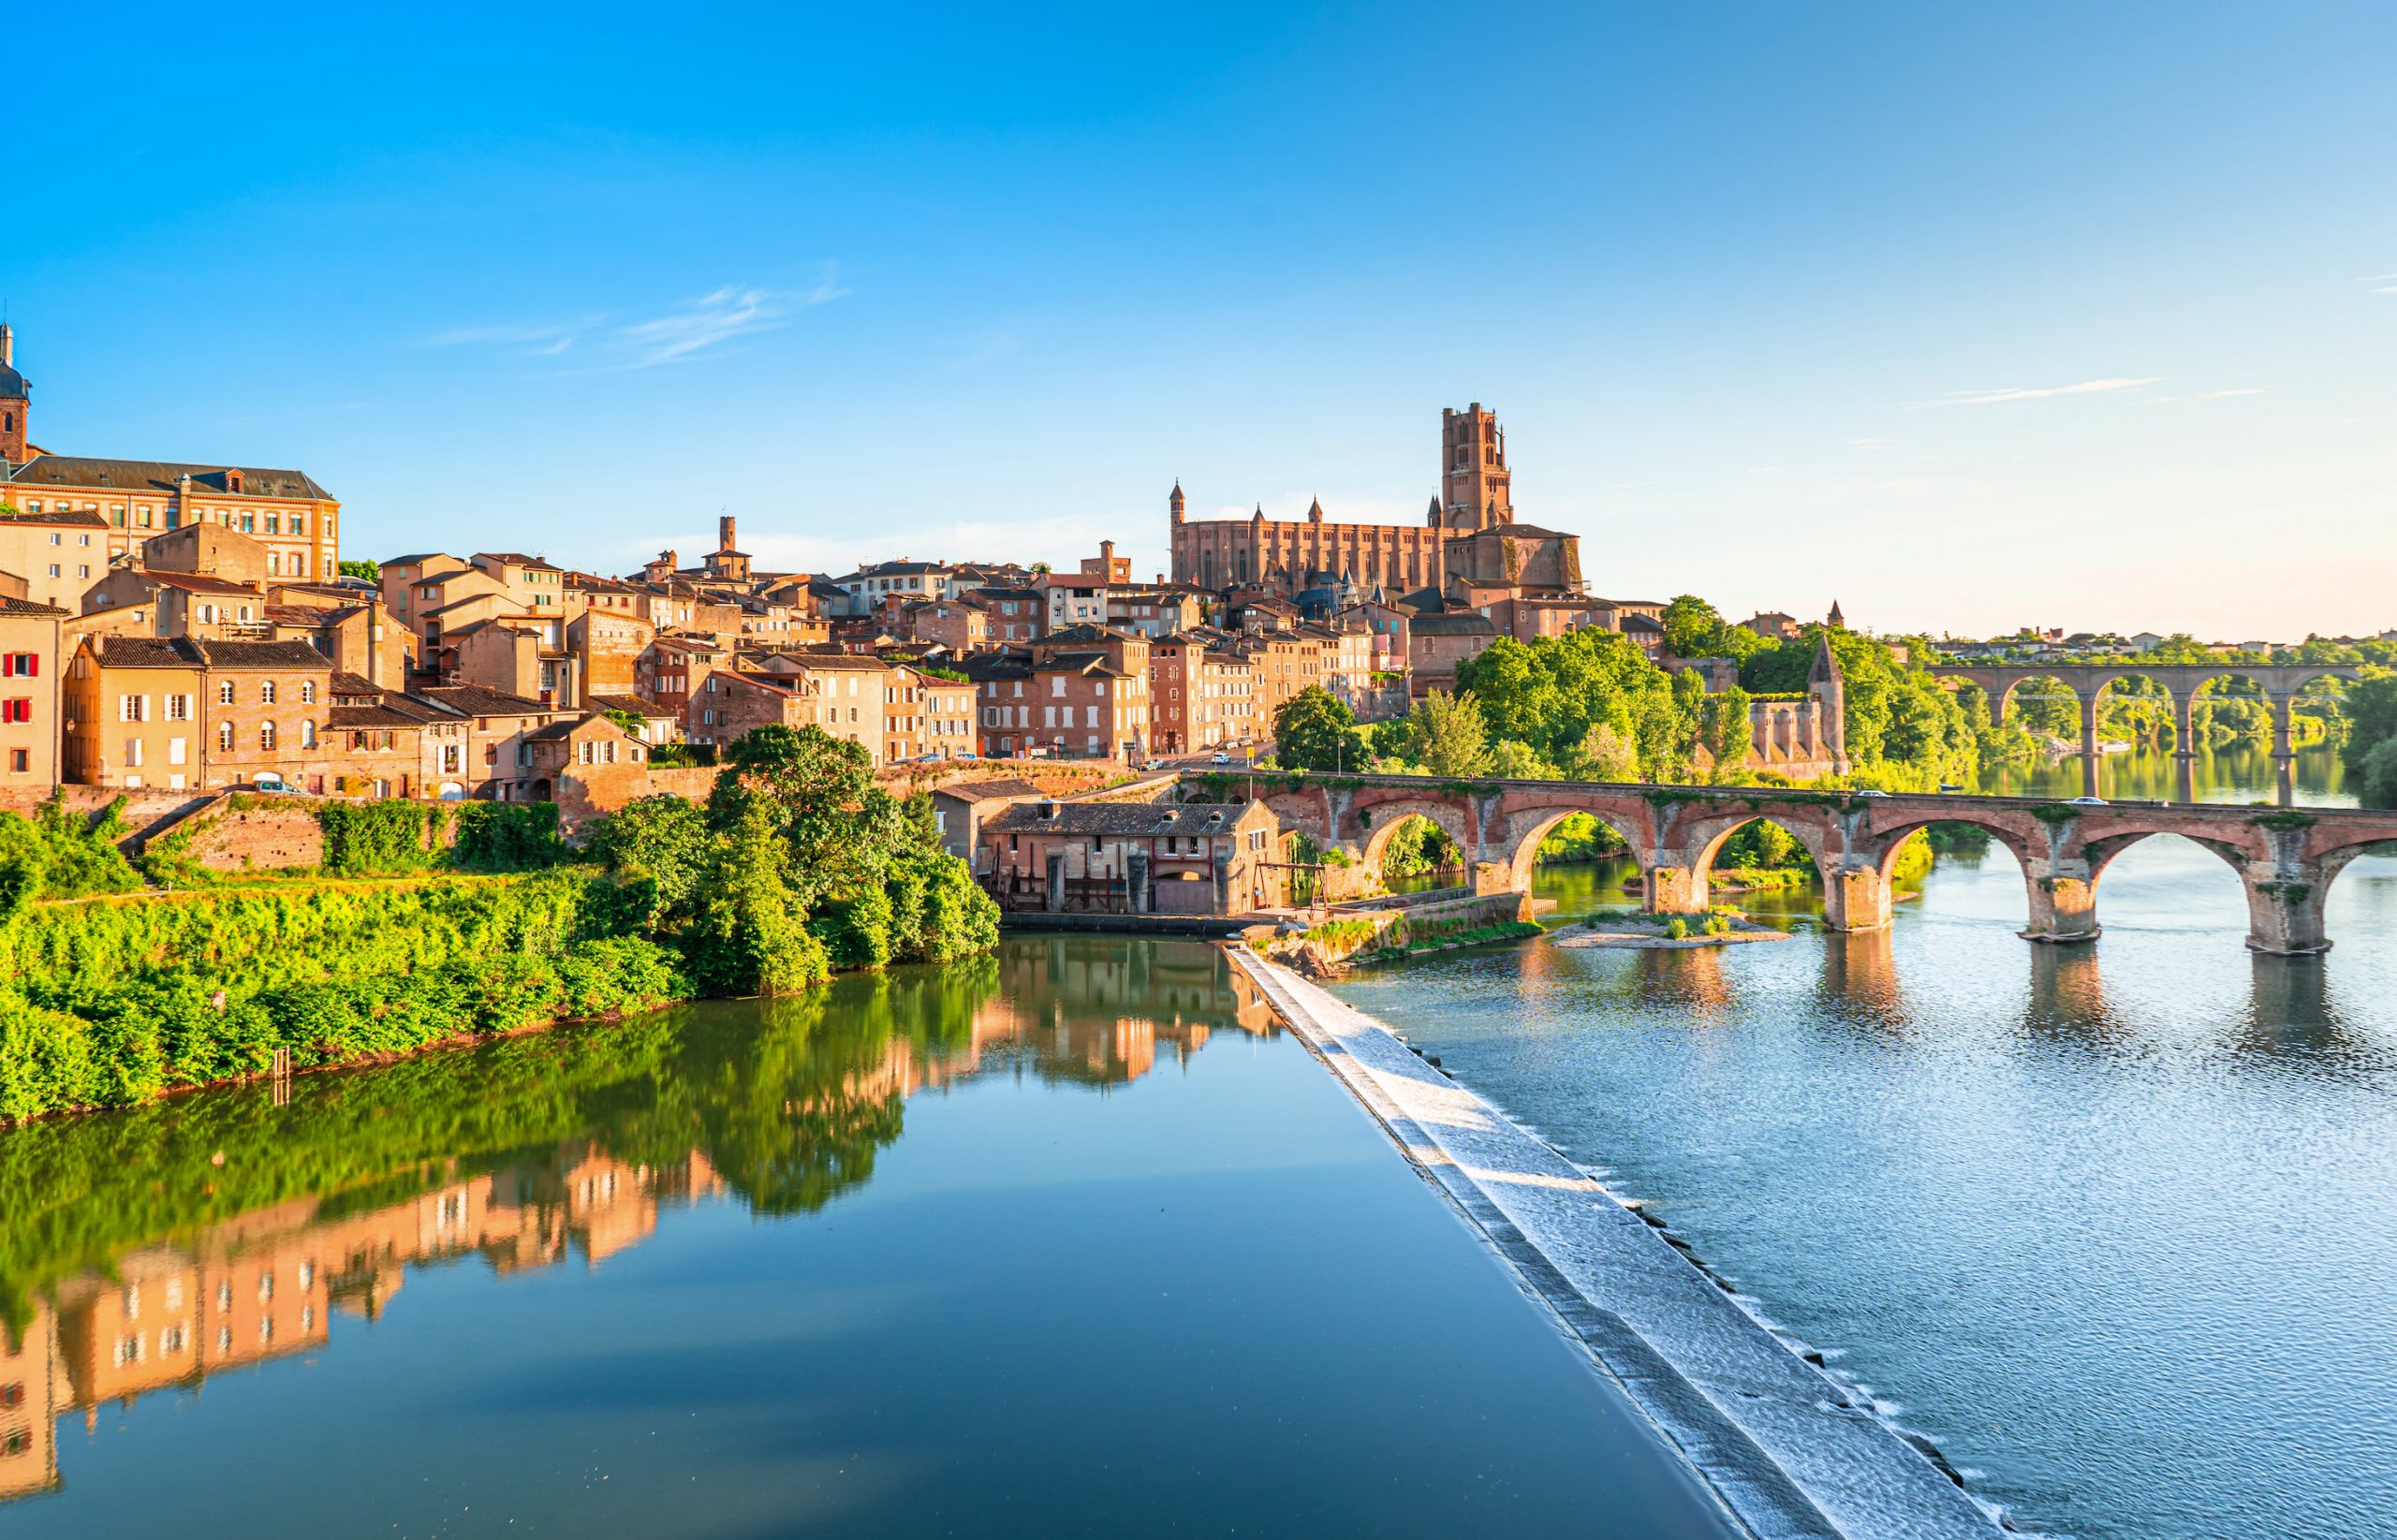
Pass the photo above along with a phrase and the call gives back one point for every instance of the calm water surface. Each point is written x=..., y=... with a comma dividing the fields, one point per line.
x=1066, y=1242
x=2116, y=1225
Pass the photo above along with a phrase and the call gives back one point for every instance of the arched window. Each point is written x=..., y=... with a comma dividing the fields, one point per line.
x=266, y=692
x=224, y=695
x=308, y=734
x=307, y=692
x=225, y=738
x=266, y=735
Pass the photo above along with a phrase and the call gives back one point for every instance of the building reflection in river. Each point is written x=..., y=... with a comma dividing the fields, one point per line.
x=230, y=1293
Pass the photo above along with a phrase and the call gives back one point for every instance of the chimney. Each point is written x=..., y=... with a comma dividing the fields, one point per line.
x=724, y=533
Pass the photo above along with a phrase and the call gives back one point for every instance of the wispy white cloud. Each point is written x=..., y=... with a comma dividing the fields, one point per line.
x=539, y=339
x=684, y=330
x=1992, y=398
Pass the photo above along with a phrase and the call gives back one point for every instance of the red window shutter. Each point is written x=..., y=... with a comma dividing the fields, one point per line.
x=33, y=665
x=7, y=665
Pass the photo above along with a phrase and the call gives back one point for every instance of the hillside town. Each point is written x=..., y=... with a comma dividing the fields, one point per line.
x=187, y=627
x=192, y=627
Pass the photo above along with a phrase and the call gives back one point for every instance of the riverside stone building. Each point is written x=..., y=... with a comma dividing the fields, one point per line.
x=1134, y=858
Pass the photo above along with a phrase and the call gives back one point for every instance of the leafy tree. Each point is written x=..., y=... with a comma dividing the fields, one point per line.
x=1450, y=737
x=1313, y=730
x=2380, y=774
x=1551, y=692
x=2371, y=714
x=367, y=570
x=1694, y=629
x=1514, y=760
x=1727, y=730
x=1603, y=754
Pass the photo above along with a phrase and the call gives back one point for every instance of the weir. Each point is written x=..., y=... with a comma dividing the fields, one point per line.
x=2286, y=858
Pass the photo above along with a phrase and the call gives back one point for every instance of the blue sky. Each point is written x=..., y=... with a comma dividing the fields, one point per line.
x=1967, y=316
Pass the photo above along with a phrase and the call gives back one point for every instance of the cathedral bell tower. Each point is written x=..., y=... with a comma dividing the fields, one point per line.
x=1474, y=478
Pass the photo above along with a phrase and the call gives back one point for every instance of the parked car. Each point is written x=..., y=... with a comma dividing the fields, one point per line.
x=1220, y=757
x=2086, y=801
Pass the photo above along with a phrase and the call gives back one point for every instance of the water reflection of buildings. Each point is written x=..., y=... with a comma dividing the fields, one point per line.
x=266, y=1284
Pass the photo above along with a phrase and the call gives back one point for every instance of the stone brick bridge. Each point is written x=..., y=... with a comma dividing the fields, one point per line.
x=2286, y=859
x=2279, y=682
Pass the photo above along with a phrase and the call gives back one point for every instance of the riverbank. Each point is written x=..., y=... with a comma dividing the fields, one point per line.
x=1790, y=1450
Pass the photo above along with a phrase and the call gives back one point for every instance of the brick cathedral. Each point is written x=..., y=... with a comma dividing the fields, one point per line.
x=1469, y=548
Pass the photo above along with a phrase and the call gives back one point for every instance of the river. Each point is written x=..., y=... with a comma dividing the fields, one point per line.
x=2111, y=1224
x=1072, y=1241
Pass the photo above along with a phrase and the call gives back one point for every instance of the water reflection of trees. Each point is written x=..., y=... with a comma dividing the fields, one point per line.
x=522, y=1152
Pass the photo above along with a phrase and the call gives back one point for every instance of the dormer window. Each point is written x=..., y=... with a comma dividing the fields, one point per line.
x=232, y=480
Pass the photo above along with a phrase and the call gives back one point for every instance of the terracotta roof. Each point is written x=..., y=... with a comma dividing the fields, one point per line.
x=146, y=652
x=1464, y=622
x=74, y=520
x=370, y=716
x=189, y=652
x=263, y=654
x=89, y=473
x=988, y=791
x=475, y=701
x=1162, y=818
x=193, y=582
x=27, y=608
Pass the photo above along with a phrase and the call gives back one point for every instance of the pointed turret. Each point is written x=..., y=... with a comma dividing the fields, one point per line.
x=1174, y=503
x=1828, y=685
x=1837, y=621
x=1432, y=519
x=1314, y=511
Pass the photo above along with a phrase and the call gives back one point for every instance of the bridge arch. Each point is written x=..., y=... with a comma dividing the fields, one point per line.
x=1524, y=854
x=1384, y=819
x=1702, y=839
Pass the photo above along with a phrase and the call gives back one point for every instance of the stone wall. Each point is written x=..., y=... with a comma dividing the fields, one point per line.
x=257, y=838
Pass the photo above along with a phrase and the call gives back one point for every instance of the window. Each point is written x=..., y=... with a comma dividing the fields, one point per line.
x=19, y=665
x=307, y=692
x=266, y=690
x=20, y=761
x=17, y=708
x=132, y=708
x=225, y=693
x=225, y=738
x=266, y=735
x=53, y=569
x=308, y=736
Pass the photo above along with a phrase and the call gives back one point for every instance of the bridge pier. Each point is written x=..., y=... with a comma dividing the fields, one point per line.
x=1675, y=890
x=1492, y=877
x=2285, y=913
x=2283, y=756
x=2089, y=744
x=1855, y=899
x=2063, y=908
